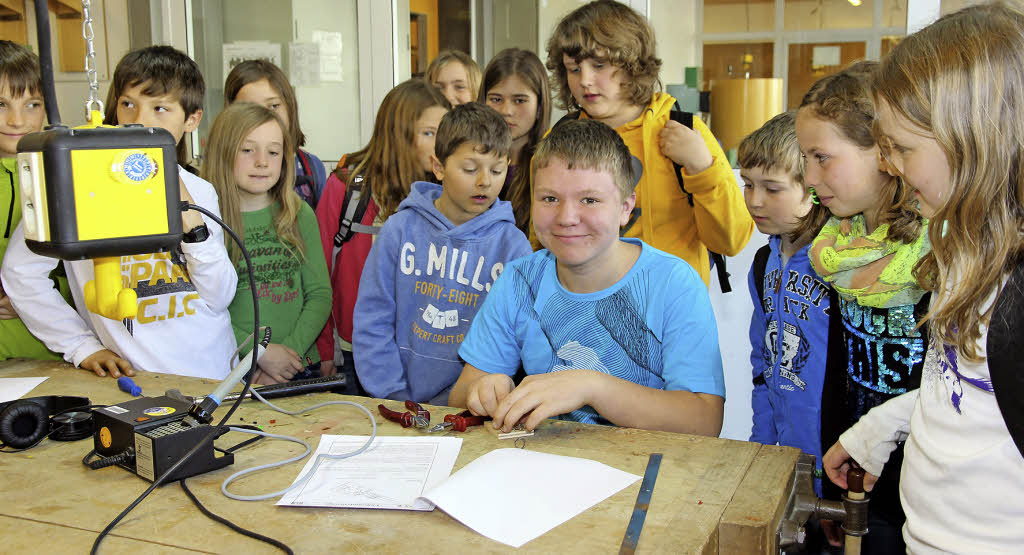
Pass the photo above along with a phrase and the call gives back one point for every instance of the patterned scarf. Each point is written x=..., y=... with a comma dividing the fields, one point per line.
x=867, y=268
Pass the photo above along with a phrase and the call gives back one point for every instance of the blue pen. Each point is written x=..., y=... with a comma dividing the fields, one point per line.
x=128, y=386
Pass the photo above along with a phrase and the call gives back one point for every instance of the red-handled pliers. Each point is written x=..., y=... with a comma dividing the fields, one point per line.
x=459, y=422
x=419, y=419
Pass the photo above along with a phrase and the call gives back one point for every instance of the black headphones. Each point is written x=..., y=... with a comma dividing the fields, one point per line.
x=25, y=422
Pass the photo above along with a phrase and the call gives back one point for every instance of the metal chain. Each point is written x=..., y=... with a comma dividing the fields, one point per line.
x=94, y=102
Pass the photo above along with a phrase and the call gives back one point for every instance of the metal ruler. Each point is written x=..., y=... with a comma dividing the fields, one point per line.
x=643, y=501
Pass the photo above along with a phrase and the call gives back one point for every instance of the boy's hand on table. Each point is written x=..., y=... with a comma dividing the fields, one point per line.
x=836, y=463
x=278, y=364
x=103, y=361
x=542, y=396
x=486, y=392
x=685, y=147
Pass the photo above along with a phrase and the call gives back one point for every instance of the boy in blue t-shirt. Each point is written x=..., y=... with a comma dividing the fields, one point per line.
x=434, y=262
x=789, y=328
x=608, y=330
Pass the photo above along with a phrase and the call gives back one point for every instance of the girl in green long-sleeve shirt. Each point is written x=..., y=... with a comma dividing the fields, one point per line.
x=250, y=161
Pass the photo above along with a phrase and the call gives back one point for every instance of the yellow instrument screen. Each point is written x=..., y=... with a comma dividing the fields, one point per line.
x=119, y=193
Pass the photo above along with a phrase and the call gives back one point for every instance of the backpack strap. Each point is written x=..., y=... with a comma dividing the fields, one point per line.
x=758, y=268
x=304, y=162
x=350, y=218
x=717, y=260
x=685, y=118
x=718, y=263
x=1005, y=346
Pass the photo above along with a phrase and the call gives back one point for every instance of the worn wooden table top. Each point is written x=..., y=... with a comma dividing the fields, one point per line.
x=711, y=494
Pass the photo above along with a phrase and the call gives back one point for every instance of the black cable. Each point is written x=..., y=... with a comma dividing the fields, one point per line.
x=278, y=544
x=255, y=305
x=242, y=444
x=46, y=61
x=215, y=430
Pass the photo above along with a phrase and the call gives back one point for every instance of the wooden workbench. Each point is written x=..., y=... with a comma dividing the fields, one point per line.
x=712, y=495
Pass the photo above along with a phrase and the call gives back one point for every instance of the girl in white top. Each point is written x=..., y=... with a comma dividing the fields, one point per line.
x=951, y=123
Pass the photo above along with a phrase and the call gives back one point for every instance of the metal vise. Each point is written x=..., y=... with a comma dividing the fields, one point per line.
x=803, y=505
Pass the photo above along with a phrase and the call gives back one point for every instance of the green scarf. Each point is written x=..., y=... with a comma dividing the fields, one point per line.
x=867, y=268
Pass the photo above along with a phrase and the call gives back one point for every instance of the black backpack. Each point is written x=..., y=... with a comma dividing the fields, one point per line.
x=685, y=118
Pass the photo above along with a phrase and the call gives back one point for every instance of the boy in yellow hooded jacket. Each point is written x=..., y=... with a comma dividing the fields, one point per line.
x=602, y=58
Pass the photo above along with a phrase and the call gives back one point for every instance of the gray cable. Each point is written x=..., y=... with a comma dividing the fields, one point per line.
x=319, y=458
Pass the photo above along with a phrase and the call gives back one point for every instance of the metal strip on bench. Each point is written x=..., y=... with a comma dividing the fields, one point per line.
x=643, y=501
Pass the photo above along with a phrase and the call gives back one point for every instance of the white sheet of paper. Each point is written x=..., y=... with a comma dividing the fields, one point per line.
x=515, y=495
x=331, y=47
x=16, y=388
x=304, y=64
x=392, y=474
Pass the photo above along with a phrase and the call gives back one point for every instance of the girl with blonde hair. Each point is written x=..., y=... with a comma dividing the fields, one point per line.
x=866, y=251
x=456, y=75
x=951, y=122
x=250, y=161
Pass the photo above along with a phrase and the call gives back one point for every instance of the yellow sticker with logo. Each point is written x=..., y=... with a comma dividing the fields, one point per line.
x=159, y=411
x=133, y=167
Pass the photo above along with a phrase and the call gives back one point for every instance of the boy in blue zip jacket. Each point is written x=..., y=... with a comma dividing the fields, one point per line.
x=789, y=328
x=434, y=262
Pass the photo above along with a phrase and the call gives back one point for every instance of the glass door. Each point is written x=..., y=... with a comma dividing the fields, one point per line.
x=811, y=61
x=315, y=42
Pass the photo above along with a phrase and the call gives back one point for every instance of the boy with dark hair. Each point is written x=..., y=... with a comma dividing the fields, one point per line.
x=183, y=326
x=21, y=112
x=435, y=261
x=604, y=67
x=608, y=330
x=159, y=73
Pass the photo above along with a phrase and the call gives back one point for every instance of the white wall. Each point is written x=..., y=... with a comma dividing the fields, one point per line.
x=675, y=28
x=549, y=13
x=733, y=312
